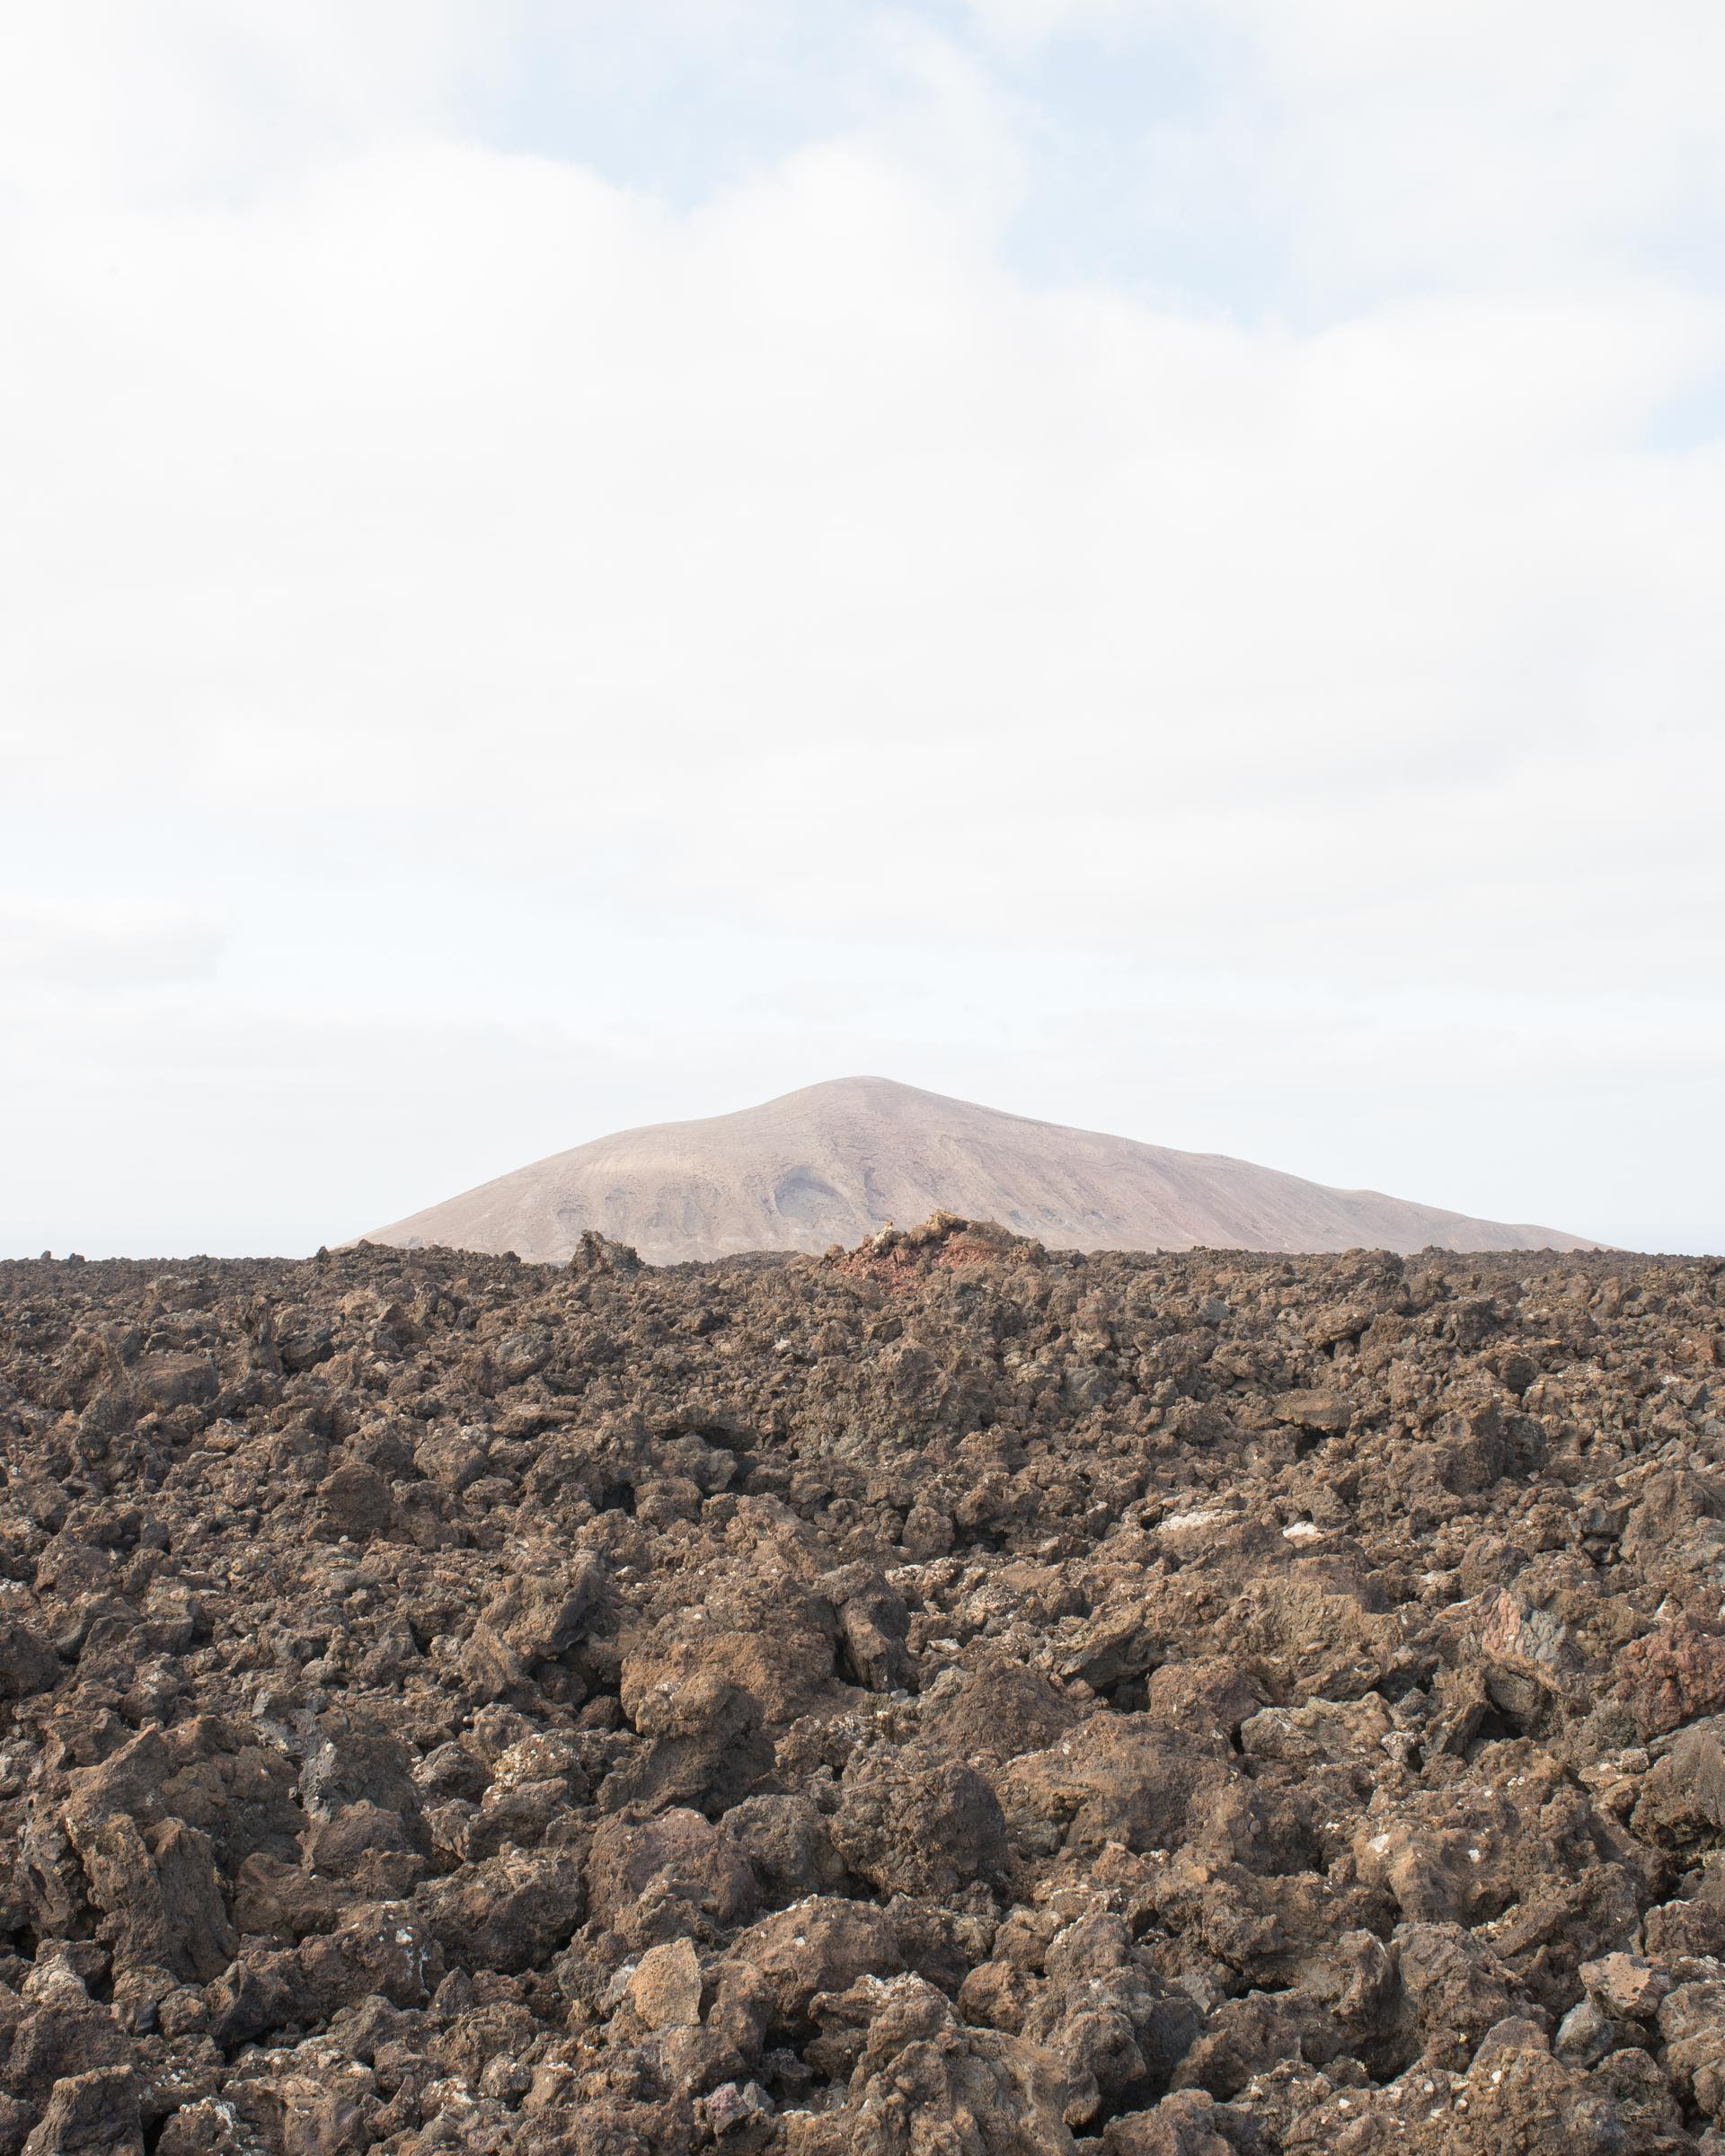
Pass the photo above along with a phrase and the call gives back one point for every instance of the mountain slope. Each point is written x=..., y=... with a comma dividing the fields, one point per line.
x=834, y=1163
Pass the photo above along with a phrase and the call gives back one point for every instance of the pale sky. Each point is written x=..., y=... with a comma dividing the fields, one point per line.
x=1155, y=563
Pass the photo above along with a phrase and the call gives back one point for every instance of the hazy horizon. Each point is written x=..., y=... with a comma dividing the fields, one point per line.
x=1149, y=565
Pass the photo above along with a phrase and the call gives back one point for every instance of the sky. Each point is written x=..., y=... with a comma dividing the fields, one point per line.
x=1153, y=563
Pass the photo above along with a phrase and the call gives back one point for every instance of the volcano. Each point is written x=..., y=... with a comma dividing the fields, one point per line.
x=836, y=1162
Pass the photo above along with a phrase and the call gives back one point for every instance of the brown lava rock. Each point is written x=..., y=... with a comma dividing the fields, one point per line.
x=949, y=1695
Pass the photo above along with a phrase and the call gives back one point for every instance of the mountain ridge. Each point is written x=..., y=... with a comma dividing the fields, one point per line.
x=836, y=1162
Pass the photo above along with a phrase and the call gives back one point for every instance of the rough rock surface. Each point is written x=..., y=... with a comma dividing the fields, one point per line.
x=944, y=1697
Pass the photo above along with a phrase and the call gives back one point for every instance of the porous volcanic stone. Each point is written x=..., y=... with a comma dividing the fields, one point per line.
x=944, y=1695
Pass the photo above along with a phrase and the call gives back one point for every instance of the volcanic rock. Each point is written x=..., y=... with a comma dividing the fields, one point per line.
x=941, y=1694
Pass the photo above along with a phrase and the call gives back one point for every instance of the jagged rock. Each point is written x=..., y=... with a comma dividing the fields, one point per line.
x=920, y=2075
x=89, y=2113
x=159, y=1893
x=665, y=1989
x=910, y=1829
x=28, y=1663
x=820, y=1945
x=1681, y=1805
x=949, y=1695
x=1674, y=1675
x=1114, y=1777
x=1691, y=2028
x=788, y=1843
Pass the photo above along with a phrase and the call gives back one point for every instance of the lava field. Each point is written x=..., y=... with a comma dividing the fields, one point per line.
x=948, y=1698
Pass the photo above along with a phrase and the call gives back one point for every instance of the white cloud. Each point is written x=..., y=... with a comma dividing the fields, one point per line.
x=1021, y=25
x=237, y=1124
x=386, y=495
x=1471, y=134
x=453, y=485
x=102, y=103
x=86, y=944
x=1335, y=150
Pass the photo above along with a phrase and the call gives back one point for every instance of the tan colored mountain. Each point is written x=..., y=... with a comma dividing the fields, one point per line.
x=835, y=1162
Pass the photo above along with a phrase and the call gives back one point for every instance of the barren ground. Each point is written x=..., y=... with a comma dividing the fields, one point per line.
x=951, y=1699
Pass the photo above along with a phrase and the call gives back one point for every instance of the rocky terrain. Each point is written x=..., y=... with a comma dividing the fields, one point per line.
x=948, y=1699
x=836, y=1162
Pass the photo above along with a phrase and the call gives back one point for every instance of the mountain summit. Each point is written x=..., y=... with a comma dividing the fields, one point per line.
x=835, y=1162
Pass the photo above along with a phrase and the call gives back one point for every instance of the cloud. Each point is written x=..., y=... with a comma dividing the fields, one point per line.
x=1022, y=25
x=473, y=498
x=88, y=944
x=400, y=483
x=1471, y=138
x=102, y=107
x=244, y=1123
